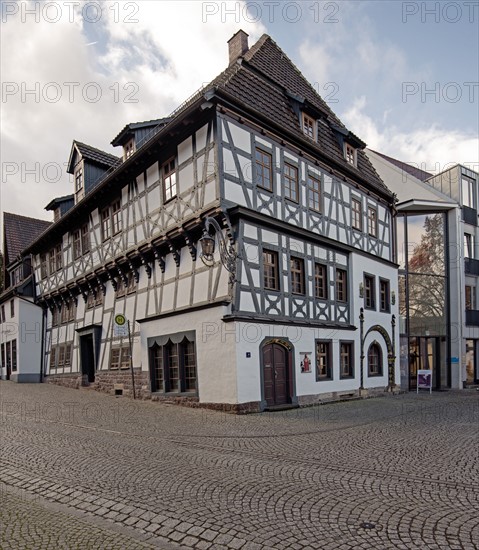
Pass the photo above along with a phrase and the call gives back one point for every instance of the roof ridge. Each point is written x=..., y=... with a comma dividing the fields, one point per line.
x=255, y=49
x=13, y=214
x=401, y=164
x=81, y=143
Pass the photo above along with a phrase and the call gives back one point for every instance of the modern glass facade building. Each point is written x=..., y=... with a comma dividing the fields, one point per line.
x=436, y=235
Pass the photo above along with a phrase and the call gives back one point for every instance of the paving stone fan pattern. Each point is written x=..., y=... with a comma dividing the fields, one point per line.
x=391, y=472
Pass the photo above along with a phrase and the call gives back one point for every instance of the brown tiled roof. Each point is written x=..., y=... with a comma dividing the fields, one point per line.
x=411, y=170
x=265, y=80
x=19, y=232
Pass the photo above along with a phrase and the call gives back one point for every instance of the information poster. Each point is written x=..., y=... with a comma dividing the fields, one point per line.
x=424, y=380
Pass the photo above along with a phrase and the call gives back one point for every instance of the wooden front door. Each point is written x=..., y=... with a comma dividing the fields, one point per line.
x=275, y=374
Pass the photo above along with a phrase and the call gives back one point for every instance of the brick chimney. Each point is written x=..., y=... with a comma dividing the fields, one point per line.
x=238, y=45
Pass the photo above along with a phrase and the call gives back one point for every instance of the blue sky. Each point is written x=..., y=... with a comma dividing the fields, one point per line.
x=146, y=57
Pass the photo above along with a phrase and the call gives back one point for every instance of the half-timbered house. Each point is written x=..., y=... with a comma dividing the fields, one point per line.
x=247, y=240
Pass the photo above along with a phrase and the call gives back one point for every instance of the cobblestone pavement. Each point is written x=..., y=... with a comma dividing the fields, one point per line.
x=392, y=472
x=27, y=522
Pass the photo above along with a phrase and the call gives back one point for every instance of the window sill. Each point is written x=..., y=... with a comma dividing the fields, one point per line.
x=348, y=377
x=264, y=188
x=375, y=375
x=166, y=201
x=325, y=379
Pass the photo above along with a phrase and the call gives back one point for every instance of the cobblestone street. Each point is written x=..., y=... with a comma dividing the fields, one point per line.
x=79, y=469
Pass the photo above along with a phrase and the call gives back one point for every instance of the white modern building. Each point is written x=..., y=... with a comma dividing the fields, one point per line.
x=247, y=241
x=438, y=271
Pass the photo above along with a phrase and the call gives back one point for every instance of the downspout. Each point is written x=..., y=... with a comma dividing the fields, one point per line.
x=42, y=348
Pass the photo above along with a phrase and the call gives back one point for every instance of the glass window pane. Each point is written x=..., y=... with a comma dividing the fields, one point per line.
x=426, y=245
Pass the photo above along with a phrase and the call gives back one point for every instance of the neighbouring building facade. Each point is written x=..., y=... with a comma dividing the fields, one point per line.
x=438, y=271
x=246, y=239
x=21, y=319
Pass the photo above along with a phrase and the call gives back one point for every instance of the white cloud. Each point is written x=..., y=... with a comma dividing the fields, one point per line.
x=431, y=148
x=167, y=54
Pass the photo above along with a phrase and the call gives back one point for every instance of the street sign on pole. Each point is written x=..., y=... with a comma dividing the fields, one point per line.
x=120, y=325
x=121, y=328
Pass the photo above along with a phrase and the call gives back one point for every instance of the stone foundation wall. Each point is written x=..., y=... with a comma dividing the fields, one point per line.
x=111, y=381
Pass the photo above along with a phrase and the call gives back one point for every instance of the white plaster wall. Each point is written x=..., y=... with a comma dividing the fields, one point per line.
x=29, y=342
x=215, y=350
x=250, y=336
x=26, y=328
x=358, y=266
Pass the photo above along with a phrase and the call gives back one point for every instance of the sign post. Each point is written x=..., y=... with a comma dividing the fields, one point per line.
x=121, y=328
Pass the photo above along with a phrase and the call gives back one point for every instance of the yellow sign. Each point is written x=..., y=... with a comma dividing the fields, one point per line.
x=120, y=320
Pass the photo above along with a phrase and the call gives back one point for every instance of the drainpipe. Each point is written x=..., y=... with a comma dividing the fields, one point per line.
x=42, y=350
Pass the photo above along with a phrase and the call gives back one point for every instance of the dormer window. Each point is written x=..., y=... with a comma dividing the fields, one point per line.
x=129, y=149
x=79, y=178
x=56, y=214
x=309, y=127
x=350, y=154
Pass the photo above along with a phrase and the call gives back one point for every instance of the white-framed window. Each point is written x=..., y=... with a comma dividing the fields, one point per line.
x=350, y=154
x=129, y=148
x=309, y=127
x=356, y=214
x=372, y=221
x=79, y=178
x=469, y=247
x=169, y=180
x=468, y=192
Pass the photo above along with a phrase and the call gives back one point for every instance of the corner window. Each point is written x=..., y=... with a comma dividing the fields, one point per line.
x=270, y=270
x=372, y=221
x=264, y=169
x=350, y=154
x=320, y=282
x=169, y=180
x=375, y=359
x=346, y=368
x=369, y=292
x=384, y=292
x=356, y=215
x=297, y=275
x=314, y=193
x=341, y=285
x=309, y=127
x=323, y=360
